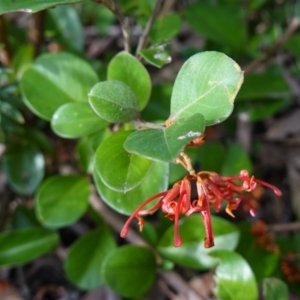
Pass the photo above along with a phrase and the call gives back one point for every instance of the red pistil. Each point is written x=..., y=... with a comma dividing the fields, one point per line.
x=212, y=189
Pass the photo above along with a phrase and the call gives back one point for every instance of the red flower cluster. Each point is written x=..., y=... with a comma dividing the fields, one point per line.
x=212, y=190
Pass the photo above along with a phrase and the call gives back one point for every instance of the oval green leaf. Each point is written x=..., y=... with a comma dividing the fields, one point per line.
x=164, y=144
x=73, y=120
x=114, y=101
x=68, y=77
x=126, y=68
x=207, y=83
x=24, y=167
x=234, y=285
x=24, y=245
x=31, y=6
x=62, y=200
x=275, y=289
x=67, y=25
x=85, y=257
x=119, y=170
x=165, y=28
x=192, y=252
x=156, y=55
x=130, y=270
x=155, y=182
x=226, y=20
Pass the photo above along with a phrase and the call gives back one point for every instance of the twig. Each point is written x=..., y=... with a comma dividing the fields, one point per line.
x=114, y=7
x=170, y=277
x=36, y=30
x=295, y=226
x=144, y=35
x=293, y=26
x=5, y=52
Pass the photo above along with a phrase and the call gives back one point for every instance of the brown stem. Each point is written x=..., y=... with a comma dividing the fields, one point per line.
x=170, y=277
x=293, y=26
x=143, y=37
x=36, y=30
x=295, y=226
x=114, y=7
x=5, y=50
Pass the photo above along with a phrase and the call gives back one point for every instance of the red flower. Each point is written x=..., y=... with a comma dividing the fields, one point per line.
x=212, y=189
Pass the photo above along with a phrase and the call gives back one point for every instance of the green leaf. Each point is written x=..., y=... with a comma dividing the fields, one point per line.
x=22, y=59
x=68, y=77
x=24, y=167
x=130, y=270
x=165, y=143
x=31, y=5
x=156, y=55
x=258, y=110
x=85, y=154
x=192, y=252
x=24, y=245
x=114, y=101
x=211, y=156
x=73, y=120
x=263, y=85
x=158, y=107
x=62, y=200
x=207, y=83
x=126, y=68
x=275, y=289
x=24, y=217
x=165, y=28
x=234, y=277
x=11, y=112
x=226, y=21
x=68, y=26
x=119, y=170
x=248, y=247
x=236, y=159
x=85, y=257
x=155, y=182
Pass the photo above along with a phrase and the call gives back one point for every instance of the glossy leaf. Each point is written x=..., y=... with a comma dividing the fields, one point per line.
x=156, y=55
x=207, y=83
x=85, y=154
x=85, y=257
x=248, y=247
x=135, y=267
x=24, y=217
x=192, y=252
x=114, y=101
x=61, y=200
x=165, y=28
x=126, y=68
x=236, y=159
x=275, y=289
x=22, y=59
x=263, y=85
x=24, y=245
x=31, y=5
x=68, y=77
x=73, y=120
x=119, y=170
x=155, y=182
x=158, y=107
x=211, y=156
x=24, y=167
x=165, y=143
x=68, y=26
x=234, y=277
x=258, y=110
x=227, y=26
x=11, y=112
